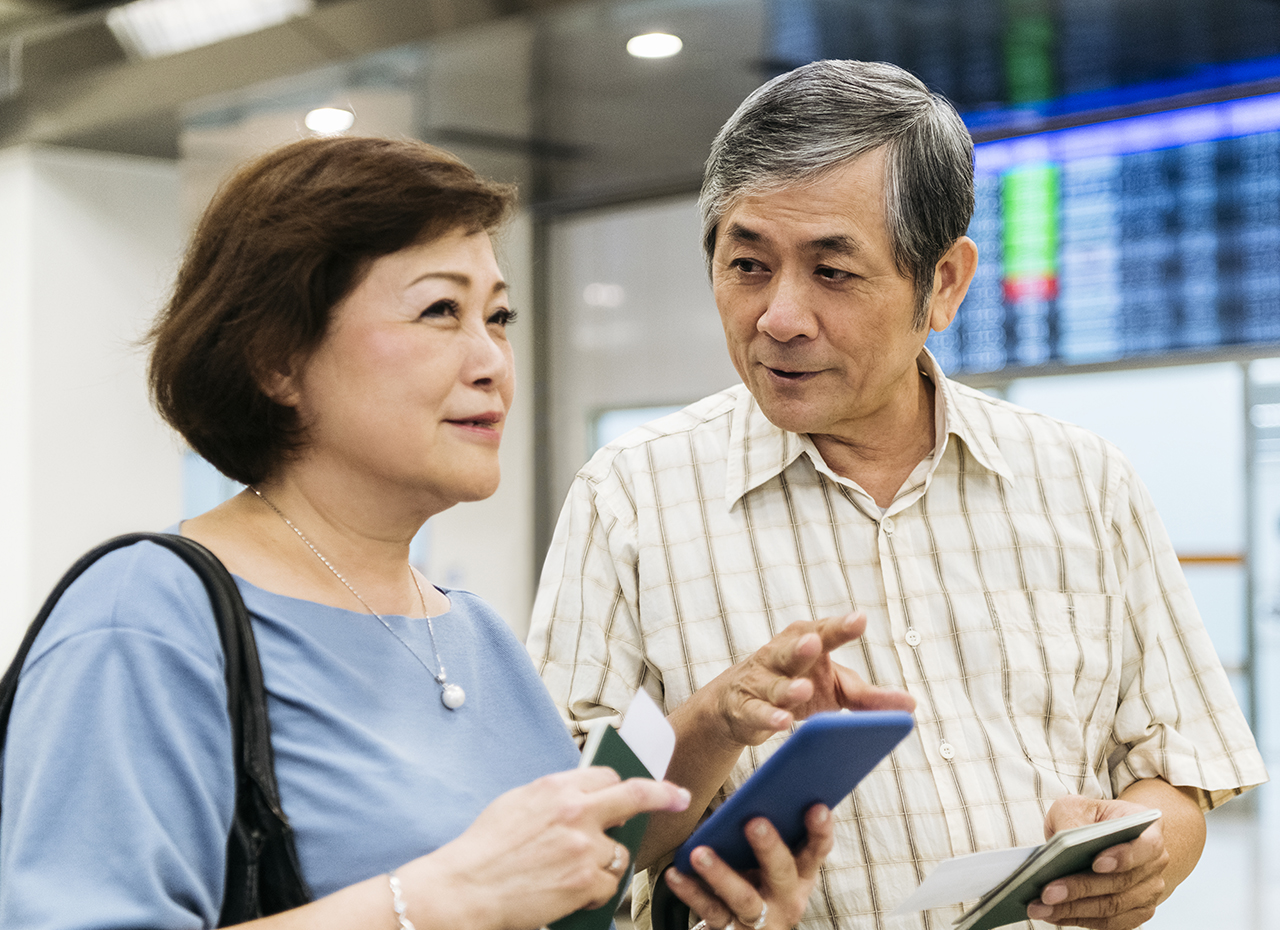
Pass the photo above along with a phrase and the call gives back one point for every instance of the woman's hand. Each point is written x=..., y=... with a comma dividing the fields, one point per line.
x=770, y=898
x=536, y=853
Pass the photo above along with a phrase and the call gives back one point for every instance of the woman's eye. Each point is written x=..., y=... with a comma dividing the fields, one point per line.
x=504, y=317
x=442, y=308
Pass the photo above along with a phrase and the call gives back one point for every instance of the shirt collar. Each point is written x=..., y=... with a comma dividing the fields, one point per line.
x=958, y=415
x=760, y=451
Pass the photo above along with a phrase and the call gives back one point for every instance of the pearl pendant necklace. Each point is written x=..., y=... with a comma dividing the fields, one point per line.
x=451, y=695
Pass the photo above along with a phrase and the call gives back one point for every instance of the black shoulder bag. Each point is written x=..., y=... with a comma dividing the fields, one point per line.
x=263, y=875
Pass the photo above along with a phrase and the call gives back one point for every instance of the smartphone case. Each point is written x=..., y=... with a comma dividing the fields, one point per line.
x=820, y=762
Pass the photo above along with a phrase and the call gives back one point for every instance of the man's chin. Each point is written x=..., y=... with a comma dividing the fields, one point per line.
x=788, y=413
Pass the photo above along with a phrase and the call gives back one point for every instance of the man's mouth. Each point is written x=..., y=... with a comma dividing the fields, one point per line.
x=787, y=375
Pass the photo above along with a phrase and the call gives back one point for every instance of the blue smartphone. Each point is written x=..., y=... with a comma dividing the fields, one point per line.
x=820, y=763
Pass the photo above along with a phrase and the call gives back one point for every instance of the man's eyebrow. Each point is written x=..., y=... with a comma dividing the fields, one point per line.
x=835, y=245
x=824, y=245
x=739, y=233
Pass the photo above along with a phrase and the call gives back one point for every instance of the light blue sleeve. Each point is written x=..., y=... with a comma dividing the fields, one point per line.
x=118, y=781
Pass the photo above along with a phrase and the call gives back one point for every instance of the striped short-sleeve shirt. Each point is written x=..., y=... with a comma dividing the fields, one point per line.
x=1020, y=586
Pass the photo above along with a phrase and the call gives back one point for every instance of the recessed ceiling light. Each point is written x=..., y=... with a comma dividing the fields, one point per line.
x=328, y=121
x=654, y=45
x=154, y=28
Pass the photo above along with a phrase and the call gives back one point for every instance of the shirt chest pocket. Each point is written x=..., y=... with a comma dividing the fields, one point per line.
x=1056, y=656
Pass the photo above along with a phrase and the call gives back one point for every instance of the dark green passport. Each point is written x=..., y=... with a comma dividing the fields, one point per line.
x=612, y=751
x=1069, y=852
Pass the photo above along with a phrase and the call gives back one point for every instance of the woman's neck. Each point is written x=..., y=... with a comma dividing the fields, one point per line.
x=296, y=537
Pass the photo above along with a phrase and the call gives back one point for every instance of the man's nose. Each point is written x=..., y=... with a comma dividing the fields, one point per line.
x=787, y=315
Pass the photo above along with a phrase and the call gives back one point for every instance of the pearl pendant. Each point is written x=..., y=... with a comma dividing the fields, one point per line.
x=452, y=696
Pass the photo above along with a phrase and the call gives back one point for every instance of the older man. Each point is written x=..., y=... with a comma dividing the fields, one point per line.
x=1014, y=577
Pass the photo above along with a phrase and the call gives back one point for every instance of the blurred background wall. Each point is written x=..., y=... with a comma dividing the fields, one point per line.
x=1128, y=170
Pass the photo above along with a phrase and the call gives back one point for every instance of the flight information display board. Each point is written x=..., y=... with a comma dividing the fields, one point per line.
x=1149, y=235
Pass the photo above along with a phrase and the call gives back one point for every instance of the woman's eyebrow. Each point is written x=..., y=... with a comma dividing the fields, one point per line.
x=458, y=278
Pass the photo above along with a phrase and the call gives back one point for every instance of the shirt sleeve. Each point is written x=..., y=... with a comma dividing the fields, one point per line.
x=584, y=636
x=1178, y=718
x=118, y=784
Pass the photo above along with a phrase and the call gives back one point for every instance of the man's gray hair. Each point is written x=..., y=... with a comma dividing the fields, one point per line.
x=822, y=115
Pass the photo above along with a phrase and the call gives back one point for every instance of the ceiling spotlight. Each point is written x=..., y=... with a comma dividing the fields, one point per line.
x=654, y=45
x=155, y=28
x=329, y=121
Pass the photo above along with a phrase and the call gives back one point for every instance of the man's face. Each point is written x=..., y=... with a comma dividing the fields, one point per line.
x=817, y=317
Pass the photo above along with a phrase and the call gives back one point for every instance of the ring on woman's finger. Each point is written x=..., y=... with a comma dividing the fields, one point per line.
x=619, y=857
x=759, y=922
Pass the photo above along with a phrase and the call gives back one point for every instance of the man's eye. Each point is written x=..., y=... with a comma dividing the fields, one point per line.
x=442, y=308
x=747, y=265
x=833, y=274
x=503, y=318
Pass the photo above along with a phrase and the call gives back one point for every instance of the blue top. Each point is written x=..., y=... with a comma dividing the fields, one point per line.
x=118, y=790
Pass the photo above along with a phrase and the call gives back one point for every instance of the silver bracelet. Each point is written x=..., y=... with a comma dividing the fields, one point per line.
x=397, y=902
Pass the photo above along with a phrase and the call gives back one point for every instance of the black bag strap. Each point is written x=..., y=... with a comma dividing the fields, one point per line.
x=263, y=873
x=666, y=911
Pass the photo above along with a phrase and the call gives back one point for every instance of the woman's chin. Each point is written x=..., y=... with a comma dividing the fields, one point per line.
x=475, y=488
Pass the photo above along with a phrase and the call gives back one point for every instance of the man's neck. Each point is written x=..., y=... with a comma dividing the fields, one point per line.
x=885, y=452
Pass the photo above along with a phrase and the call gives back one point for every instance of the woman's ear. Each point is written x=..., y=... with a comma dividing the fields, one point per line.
x=280, y=383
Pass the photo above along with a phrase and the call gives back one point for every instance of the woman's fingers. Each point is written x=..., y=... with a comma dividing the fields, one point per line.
x=545, y=842
x=615, y=804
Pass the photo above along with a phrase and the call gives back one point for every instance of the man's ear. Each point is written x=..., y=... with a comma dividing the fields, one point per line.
x=951, y=279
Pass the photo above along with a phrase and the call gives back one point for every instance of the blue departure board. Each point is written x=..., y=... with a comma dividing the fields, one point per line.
x=1143, y=236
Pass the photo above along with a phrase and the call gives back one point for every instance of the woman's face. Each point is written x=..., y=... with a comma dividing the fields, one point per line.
x=412, y=383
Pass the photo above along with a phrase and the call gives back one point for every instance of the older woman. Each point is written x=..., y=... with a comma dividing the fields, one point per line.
x=337, y=342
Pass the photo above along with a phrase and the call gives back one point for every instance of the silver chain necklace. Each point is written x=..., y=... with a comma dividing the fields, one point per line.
x=451, y=695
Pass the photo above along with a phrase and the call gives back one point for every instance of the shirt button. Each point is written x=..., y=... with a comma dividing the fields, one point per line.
x=947, y=751
x=887, y=525
x=913, y=638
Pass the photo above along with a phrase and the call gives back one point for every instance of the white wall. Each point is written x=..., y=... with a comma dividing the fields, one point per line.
x=632, y=321
x=88, y=243
x=1183, y=430
x=16, y=196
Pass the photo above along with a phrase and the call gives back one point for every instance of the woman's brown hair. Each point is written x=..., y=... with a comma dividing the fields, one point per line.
x=283, y=242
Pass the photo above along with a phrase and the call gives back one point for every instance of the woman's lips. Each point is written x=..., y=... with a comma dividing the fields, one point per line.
x=486, y=425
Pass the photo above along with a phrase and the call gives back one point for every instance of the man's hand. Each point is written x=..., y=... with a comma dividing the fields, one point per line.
x=786, y=679
x=792, y=677
x=776, y=893
x=1128, y=880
